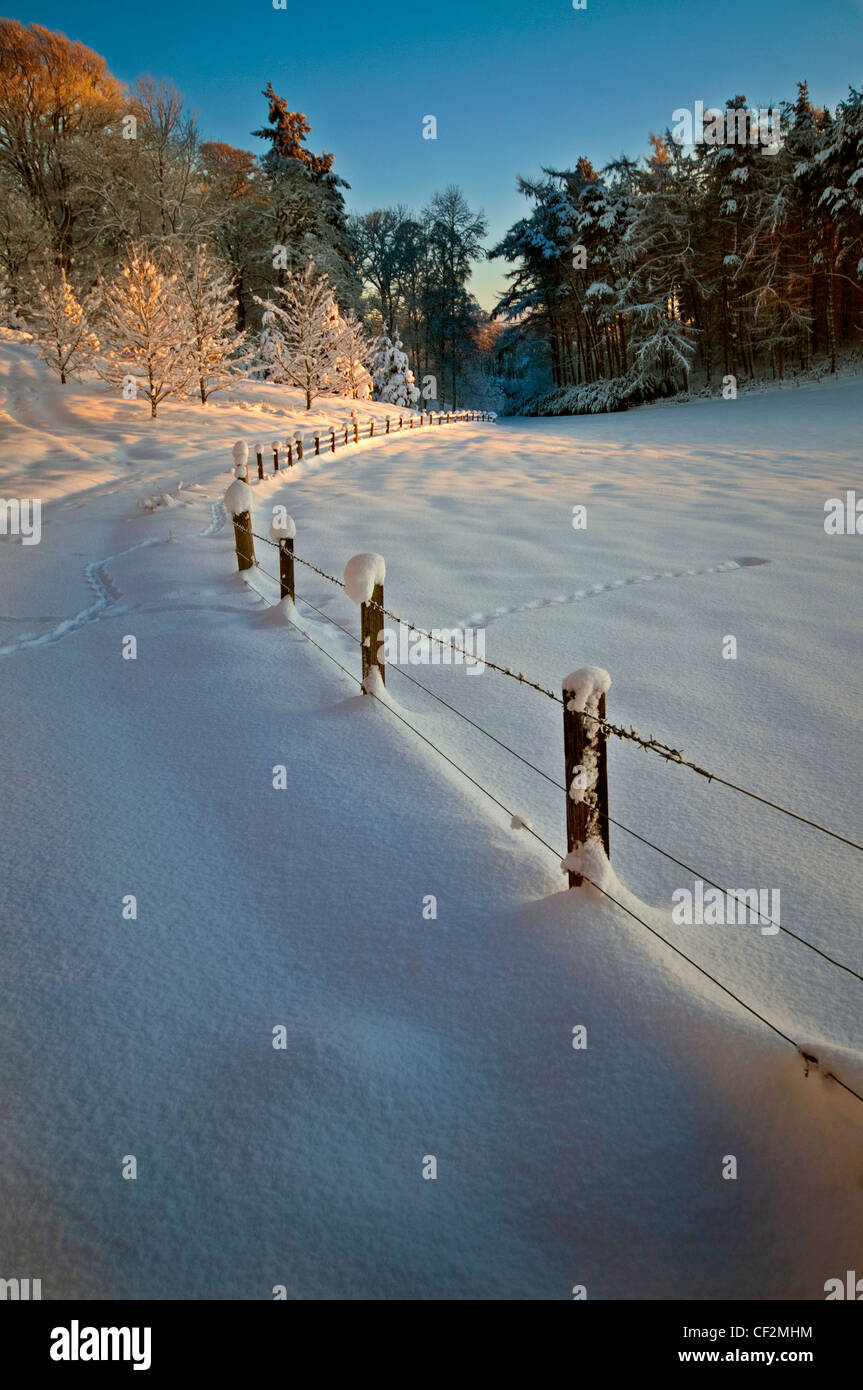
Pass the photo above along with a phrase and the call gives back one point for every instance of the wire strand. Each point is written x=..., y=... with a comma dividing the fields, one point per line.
x=762, y=917
x=652, y=745
x=619, y=824
x=741, y=1002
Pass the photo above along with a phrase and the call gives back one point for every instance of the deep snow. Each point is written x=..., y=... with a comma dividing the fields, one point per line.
x=409, y=1036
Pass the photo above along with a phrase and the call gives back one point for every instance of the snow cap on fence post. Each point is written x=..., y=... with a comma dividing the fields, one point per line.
x=238, y=495
x=259, y=455
x=240, y=452
x=282, y=526
x=364, y=584
x=586, y=767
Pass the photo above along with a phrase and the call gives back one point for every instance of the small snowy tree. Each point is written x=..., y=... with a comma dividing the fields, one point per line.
x=271, y=348
x=307, y=342
x=355, y=353
x=61, y=327
x=394, y=380
x=214, y=343
x=145, y=329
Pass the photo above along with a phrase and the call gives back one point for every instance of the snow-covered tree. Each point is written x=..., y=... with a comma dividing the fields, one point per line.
x=271, y=350
x=61, y=327
x=213, y=341
x=394, y=380
x=306, y=346
x=144, y=329
x=356, y=352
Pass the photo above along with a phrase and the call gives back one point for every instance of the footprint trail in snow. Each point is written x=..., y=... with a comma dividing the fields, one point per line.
x=483, y=619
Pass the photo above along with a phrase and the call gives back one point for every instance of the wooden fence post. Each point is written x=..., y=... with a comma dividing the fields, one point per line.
x=317, y=444
x=282, y=532
x=238, y=504
x=290, y=453
x=347, y=429
x=299, y=443
x=364, y=584
x=411, y=425
x=585, y=750
x=332, y=441
x=356, y=431
x=388, y=425
x=276, y=447
x=259, y=455
x=244, y=541
x=447, y=417
x=371, y=429
x=400, y=421
x=371, y=627
x=286, y=568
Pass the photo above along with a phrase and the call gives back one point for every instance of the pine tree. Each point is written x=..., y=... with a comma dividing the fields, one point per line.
x=287, y=133
x=61, y=326
x=210, y=306
x=305, y=215
x=308, y=327
x=394, y=380
x=655, y=298
x=145, y=329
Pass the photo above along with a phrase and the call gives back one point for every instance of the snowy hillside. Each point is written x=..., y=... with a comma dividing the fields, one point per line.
x=408, y=1036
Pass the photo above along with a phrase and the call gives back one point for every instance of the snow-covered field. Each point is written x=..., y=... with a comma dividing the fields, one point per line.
x=408, y=1037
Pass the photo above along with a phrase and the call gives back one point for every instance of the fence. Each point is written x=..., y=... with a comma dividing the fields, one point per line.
x=586, y=734
x=326, y=441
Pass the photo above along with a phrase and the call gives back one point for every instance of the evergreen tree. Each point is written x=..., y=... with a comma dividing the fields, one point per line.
x=287, y=132
x=305, y=217
x=394, y=380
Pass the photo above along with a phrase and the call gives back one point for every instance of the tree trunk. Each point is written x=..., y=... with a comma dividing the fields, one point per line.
x=831, y=315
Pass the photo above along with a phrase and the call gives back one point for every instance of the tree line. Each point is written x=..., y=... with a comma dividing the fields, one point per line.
x=100, y=183
x=724, y=258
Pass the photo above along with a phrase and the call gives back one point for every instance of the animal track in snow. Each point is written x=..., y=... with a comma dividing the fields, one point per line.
x=220, y=517
x=742, y=562
x=107, y=598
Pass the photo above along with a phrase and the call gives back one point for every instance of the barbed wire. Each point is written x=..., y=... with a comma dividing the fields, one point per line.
x=630, y=735
x=490, y=795
x=762, y=917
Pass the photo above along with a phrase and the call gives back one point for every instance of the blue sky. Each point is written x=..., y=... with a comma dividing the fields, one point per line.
x=513, y=85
